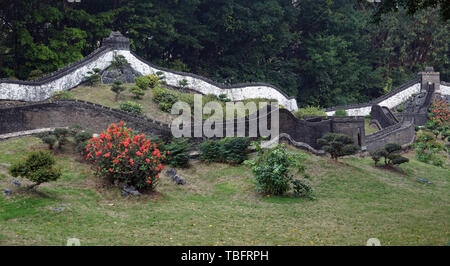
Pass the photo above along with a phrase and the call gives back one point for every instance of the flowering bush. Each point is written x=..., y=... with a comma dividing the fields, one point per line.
x=439, y=112
x=120, y=154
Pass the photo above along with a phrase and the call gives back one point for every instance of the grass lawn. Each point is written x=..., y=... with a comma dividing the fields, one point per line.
x=368, y=128
x=220, y=206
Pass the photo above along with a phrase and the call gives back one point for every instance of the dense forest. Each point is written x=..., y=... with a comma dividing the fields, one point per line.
x=324, y=52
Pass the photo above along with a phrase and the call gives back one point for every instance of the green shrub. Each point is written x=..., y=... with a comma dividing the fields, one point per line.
x=178, y=152
x=62, y=95
x=81, y=140
x=164, y=98
x=427, y=148
x=74, y=129
x=340, y=112
x=94, y=78
x=137, y=92
x=224, y=98
x=309, y=111
x=37, y=167
x=389, y=153
x=35, y=74
x=142, y=82
x=117, y=88
x=131, y=107
x=50, y=140
x=154, y=80
x=337, y=145
x=210, y=151
x=234, y=150
x=183, y=83
x=302, y=189
x=273, y=170
x=119, y=61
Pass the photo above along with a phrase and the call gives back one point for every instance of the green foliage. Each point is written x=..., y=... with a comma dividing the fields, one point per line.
x=209, y=151
x=81, y=140
x=389, y=153
x=142, y=82
x=131, y=107
x=94, y=78
x=119, y=61
x=224, y=98
x=35, y=74
x=273, y=170
x=234, y=150
x=137, y=92
x=50, y=140
x=58, y=136
x=62, y=95
x=309, y=111
x=340, y=113
x=178, y=152
x=302, y=189
x=337, y=145
x=117, y=88
x=165, y=98
x=428, y=149
x=231, y=150
x=154, y=80
x=38, y=167
x=183, y=83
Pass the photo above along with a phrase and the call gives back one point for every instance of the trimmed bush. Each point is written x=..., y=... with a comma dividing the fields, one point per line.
x=142, y=82
x=234, y=150
x=137, y=92
x=178, y=152
x=38, y=167
x=62, y=95
x=389, y=153
x=117, y=88
x=210, y=151
x=131, y=107
x=50, y=140
x=337, y=145
x=273, y=170
x=164, y=98
x=153, y=80
x=340, y=112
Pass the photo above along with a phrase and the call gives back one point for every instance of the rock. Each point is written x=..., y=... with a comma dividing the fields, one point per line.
x=178, y=180
x=16, y=182
x=58, y=209
x=7, y=192
x=423, y=180
x=129, y=190
x=171, y=172
x=127, y=75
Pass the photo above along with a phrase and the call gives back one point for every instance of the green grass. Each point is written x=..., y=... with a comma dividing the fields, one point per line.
x=368, y=128
x=220, y=206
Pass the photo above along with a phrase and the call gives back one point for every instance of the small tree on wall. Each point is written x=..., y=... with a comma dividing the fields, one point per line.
x=117, y=88
x=337, y=145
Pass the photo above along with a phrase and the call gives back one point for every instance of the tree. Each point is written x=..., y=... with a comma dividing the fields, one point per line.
x=412, y=6
x=117, y=88
x=38, y=167
x=337, y=145
x=390, y=155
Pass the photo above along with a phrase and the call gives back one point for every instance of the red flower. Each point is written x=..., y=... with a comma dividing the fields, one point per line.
x=147, y=160
x=121, y=123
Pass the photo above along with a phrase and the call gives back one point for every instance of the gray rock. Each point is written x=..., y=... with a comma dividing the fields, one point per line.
x=58, y=209
x=16, y=182
x=129, y=190
x=423, y=180
x=171, y=172
x=126, y=75
x=7, y=192
x=178, y=180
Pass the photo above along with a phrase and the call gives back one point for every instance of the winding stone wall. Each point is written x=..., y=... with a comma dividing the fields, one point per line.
x=72, y=75
x=389, y=100
x=402, y=133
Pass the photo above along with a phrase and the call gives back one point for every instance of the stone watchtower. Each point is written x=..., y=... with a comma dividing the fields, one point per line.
x=117, y=41
x=429, y=77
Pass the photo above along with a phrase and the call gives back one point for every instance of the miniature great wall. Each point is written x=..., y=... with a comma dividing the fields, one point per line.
x=39, y=112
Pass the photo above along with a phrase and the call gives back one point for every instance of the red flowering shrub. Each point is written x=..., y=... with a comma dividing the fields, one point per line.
x=120, y=154
x=439, y=112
